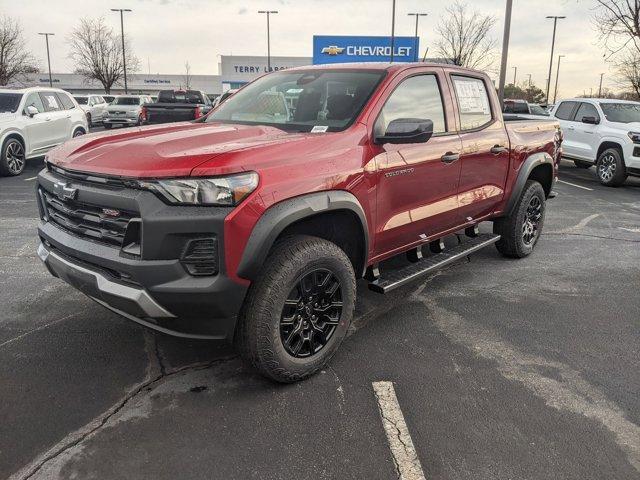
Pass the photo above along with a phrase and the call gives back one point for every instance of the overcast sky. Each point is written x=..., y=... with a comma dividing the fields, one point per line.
x=166, y=33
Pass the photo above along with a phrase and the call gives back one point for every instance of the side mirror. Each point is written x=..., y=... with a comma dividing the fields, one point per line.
x=31, y=111
x=590, y=120
x=407, y=130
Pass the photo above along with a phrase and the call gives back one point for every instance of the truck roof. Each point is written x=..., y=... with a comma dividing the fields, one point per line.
x=380, y=66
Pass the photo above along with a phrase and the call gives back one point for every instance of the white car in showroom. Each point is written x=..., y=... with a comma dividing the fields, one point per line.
x=604, y=133
x=126, y=110
x=34, y=120
x=94, y=106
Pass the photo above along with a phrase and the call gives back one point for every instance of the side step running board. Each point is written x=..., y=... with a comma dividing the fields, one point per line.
x=397, y=278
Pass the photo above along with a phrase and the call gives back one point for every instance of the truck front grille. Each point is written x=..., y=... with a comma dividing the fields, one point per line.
x=93, y=222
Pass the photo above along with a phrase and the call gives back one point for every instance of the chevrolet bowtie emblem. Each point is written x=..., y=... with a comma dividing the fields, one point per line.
x=332, y=50
x=64, y=192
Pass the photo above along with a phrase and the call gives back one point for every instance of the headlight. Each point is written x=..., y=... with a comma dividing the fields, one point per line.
x=634, y=136
x=222, y=191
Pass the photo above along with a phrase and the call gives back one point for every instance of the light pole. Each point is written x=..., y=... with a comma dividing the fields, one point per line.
x=555, y=92
x=515, y=75
x=124, y=55
x=268, y=12
x=505, y=51
x=393, y=27
x=553, y=44
x=46, y=36
x=600, y=88
x=529, y=75
x=415, y=49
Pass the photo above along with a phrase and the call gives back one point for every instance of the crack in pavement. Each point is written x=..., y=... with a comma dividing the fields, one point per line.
x=573, y=234
x=93, y=427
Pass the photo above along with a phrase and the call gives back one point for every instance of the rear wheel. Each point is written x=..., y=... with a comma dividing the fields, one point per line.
x=12, y=158
x=610, y=168
x=520, y=231
x=298, y=312
x=78, y=132
x=582, y=164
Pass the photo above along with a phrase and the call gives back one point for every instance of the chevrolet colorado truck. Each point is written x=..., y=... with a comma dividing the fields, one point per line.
x=253, y=223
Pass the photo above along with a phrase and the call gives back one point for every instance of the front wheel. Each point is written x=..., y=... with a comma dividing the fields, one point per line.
x=12, y=158
x=610, y=168
x=298, y=311
x=520, y=231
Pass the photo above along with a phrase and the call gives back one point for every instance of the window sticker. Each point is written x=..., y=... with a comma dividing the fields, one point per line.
x=319, y=129
x=472, y=97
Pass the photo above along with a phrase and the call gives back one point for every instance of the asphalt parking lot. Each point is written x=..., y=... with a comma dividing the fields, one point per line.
x=502, y=369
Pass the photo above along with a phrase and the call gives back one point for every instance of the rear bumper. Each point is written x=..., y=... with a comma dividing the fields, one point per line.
x=120, y=121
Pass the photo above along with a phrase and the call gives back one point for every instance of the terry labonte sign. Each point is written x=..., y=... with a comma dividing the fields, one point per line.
x=243, y=69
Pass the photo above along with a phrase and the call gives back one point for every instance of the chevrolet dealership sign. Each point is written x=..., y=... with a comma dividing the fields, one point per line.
x=343, y=49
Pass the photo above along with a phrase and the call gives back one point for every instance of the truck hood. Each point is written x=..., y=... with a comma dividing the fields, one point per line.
x=162, y=151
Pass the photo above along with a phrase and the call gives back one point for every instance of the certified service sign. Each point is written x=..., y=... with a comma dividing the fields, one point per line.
x=344, y=49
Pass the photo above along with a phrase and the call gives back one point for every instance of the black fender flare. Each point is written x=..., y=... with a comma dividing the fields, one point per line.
x=279, y=216
x=532, y=161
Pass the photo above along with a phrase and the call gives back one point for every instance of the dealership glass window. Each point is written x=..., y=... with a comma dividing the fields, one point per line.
x=50, y=101
x=66, y=101
x=313, y=100
x=473, y=102
x=416, y=97
x=564, y=110
x=33, y=100
x=586, y=110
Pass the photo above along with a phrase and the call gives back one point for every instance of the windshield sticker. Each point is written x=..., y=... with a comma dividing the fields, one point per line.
x=319, y=129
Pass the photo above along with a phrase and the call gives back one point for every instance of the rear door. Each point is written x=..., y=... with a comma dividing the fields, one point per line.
x=417, y=183
x=565, y=113
x=485, y=148
x=57, y=118
x=585, y=135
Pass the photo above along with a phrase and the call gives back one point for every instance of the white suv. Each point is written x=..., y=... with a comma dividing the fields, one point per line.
x=602, y=132
x=94, y=106
x=34, y=120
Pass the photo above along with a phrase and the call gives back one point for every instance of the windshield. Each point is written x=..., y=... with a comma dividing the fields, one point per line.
x=537, y=110
x=621, y=112
x=82, y=100
x=322, y=100
x=126, y=101
x=9, y=102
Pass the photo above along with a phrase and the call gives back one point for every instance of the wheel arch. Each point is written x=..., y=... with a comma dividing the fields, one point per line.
x=336, y=216
x=607, y=144
x=539, y=167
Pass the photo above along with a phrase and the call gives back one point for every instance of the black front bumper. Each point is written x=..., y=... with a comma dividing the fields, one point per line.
x=152, y=286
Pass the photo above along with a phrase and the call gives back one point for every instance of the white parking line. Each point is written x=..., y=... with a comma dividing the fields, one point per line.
x=395, y=427
x=574, y=185
x=29, y=179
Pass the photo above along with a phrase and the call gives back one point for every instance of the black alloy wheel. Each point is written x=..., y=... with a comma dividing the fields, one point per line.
x=531, y=222
x=311, y=313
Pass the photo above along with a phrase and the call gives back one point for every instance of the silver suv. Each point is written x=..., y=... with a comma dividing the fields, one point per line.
x=126, y=110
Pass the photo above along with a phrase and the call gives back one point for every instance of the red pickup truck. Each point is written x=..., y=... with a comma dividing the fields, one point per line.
x=253, y=223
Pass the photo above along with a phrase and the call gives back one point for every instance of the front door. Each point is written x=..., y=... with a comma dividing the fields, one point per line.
x=417, y=183
x=584, y=134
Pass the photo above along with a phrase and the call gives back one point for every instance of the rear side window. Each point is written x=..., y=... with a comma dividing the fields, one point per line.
x=66, y=101
x=51, y=102
x=473, y=102
x=564, y=110
x=586, y=110
x=416, y=97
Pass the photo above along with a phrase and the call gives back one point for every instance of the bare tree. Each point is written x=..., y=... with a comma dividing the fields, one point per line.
x=465, y=37
x=187, y=75
x=15, y=60
x=97, y=52
x=628, y=69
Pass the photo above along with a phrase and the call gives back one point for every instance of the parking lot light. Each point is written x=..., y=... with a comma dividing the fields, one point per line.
x=46, y=36
x=553, y=43
x=415, y=50
x=124, y=56
x=268, y=12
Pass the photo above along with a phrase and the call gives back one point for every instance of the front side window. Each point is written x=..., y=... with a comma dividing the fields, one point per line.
x=416, y=97
x=50, y=101
x=34, y=100
x=586, y=110
x=621, y=112
x=322, y=100
x=473, y=102
x=9, y=102
x=564, y=110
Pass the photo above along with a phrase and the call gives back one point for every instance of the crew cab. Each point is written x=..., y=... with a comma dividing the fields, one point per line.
x=177, y=106
x=253, y=223
x=604, y=133
x=33, y=121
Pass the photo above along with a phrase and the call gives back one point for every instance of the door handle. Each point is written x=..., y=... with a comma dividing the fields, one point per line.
x=47, y=119
x=498, y=149
x=450, y=157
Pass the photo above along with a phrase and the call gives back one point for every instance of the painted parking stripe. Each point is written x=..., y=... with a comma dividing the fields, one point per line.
x=29, y=179
x=574, y=185
x=395, y=427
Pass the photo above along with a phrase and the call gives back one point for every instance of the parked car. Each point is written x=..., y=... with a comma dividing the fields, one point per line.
x=126, y=110
x=34, y=120
x=253, y=223
x=94, y=107
x=109, y=98
x=524, y=109
x=604, y=133
x=177, y=106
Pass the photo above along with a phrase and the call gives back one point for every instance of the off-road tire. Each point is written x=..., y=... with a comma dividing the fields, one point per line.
x=258, y=334
x=511, y=228
x=582, y=164
x=614, y=157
